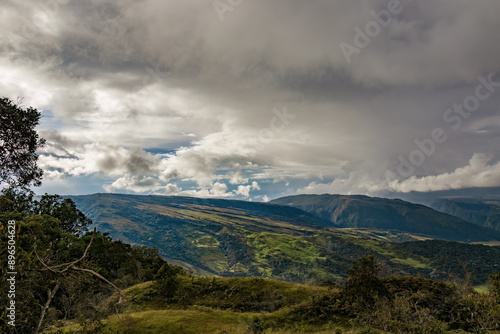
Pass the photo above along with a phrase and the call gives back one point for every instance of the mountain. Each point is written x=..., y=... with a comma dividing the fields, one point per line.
x=427, y=198
x=484, y=212
x=199, y=234
x=236, y=238
x=388, y=214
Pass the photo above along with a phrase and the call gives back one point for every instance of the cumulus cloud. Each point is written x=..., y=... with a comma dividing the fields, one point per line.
x=245, y=190
x=237, y=178
x=172, y=189
x=97, y=158
x=478, y=173
x=137, y=184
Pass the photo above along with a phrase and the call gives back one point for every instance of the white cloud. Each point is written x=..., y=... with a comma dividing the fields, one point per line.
x=237, y=178
x=244, y=191
x=137, y=184
x=477, y=174
x=172, y=189
x=97, y=158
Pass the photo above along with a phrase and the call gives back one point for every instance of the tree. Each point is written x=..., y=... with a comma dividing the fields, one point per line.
x=18, y=145
x=494, y=283
x=72, y=220
x=63, y=270
x=364, y=287
x=167, y=281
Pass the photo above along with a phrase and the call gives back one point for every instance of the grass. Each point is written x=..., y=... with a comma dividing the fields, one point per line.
x=266, y=244
x=182, y=321
x=216, y=309
x=482, y=288
x=376, y=246
x=267, y=247
x=411, y=263
x=208, y=251
x=379, y=247
x=241, y=294
x=207, y=321
x=215, y=305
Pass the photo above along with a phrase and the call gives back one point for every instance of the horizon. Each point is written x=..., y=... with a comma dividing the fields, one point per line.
x=416, y=198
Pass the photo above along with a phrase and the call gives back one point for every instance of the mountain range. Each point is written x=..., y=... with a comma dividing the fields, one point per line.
x=388, y=214
x=305, y=238
x=484, y=212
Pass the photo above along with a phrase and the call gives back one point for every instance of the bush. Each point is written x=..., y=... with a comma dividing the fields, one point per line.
x=167, y=280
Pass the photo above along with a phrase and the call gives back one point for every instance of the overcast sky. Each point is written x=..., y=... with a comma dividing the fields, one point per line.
x=255, y=99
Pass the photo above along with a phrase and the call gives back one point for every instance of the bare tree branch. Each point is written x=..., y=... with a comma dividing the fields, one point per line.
x=70, y=266
x=103, y=279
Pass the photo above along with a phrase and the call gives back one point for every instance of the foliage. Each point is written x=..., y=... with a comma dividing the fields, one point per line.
x=494, y=284
x=18, y=145
x=253, y=305
x=167, y=280
x=231, y=238
x=71, y=219
x=363, y=288
x=79, y=294
x=358, y=211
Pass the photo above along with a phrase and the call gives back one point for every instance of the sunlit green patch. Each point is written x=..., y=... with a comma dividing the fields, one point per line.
x=412, y=263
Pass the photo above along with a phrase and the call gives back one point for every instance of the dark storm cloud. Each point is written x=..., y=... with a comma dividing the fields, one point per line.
x=127, y=75
x=133, y=161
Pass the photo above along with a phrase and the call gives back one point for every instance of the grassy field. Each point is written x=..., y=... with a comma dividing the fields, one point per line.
x=246, y=305
x=213, y=305
x=208, y=321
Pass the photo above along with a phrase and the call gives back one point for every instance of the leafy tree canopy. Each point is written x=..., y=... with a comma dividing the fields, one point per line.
x=71, y=219
x=18, y=145
x=364, y=287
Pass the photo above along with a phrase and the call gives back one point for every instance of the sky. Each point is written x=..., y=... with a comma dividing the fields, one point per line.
x=258, y=99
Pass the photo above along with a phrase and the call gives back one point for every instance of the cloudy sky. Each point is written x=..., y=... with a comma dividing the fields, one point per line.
x=255, y=99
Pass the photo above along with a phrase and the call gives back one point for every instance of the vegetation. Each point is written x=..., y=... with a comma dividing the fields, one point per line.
x=45, y=291
x=162, y=298
x=233, y=238
x=478, y=211
x=388, y=214
x=18, y=145
x=365, y=303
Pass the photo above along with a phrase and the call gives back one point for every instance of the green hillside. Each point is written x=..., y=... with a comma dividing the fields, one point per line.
x=234, y=238
x=181, y=303
x=75, y=282
x=388, y=214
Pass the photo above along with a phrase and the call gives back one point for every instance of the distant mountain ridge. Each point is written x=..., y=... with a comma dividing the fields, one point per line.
x=358, y=211
x=483, y=212
x=236, y=238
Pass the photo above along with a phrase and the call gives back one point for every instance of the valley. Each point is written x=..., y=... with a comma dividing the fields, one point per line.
x=235, y=238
